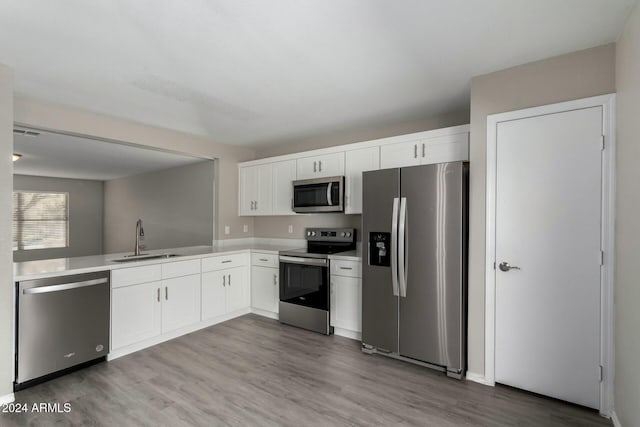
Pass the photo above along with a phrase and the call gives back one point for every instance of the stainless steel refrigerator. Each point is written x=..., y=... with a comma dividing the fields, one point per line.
x=414, y=275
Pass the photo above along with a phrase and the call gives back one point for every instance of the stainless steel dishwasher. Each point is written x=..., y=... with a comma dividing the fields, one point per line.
x=62, y=324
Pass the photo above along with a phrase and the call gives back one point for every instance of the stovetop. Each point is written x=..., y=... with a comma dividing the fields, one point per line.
x=322, y=242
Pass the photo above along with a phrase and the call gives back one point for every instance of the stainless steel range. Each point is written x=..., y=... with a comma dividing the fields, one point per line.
x=304, y=278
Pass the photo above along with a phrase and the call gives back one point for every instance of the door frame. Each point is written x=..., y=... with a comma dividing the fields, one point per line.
x=607, y=102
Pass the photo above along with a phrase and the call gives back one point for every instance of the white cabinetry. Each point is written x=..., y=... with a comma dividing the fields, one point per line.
x=135, y=313
x=265, y=284
x=346, y=298
x=143, y=307
x=356, y=162
x=438, y=149
x=224, y=285
x=284, y=173
x=331, y=164
x=255, y=196
x=266, y=189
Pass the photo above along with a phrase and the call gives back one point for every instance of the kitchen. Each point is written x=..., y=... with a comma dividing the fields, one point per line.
x=538, y=83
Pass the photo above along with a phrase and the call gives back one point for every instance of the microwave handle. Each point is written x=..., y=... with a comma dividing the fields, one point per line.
x=329, y=203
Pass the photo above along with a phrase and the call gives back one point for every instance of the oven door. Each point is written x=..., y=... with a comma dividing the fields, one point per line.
x=319, y=195
x=305, y=281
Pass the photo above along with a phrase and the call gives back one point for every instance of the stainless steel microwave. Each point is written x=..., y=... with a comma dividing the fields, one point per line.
x=319, y=195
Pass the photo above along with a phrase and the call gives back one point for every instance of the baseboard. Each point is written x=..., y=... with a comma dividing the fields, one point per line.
x=264, y=313
x=614, y=418
x=347, y=333
x=7, y=398
x=477, y=378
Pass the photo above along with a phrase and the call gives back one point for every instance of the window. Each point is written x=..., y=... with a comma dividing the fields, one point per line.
x=40, y=220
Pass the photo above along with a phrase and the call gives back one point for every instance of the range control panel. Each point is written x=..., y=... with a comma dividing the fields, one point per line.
x=331, y=234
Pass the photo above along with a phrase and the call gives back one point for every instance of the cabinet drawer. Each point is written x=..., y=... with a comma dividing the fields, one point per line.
x=346, y=268
x=134, y=275
x=264, y=260
x=223, y=261
x=180, y=268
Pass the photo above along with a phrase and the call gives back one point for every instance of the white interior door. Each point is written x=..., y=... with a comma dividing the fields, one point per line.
x=548, y=224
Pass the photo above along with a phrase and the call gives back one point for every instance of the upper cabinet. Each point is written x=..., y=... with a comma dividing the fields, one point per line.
x=356, y=162
x=266, y=189
x=266, y=184
x=321, y=166
x=438, y=149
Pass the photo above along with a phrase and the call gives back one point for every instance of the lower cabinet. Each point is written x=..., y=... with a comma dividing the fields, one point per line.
x=135, y=314
x=346, y=298
x=143, y=311
x=265, y=288
x=224, y=291
x=180, y=302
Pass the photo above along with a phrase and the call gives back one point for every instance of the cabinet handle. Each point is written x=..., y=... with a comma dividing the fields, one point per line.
x=320, y=166
x=251, y=205
x=314, y=166
x=224, y=280
x=166, y=293
x=226, y=261
x=415, y=151
x=263, y=259
x=275, y=279
x=256, y=205
x=229, y=280
x=158, y=294
x=423, y=153
x=346, y=268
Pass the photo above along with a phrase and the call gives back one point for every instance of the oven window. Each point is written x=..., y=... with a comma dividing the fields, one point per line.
x=311, y=195
x=304, y=285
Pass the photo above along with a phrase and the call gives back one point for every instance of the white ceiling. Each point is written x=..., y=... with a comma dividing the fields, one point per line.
x=255, y=72
x=64, y=156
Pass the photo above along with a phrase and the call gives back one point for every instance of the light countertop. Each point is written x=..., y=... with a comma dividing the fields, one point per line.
x=64, y=266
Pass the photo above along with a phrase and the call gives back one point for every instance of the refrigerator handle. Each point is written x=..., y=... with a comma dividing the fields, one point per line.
x=402, y=255
x=394, y=247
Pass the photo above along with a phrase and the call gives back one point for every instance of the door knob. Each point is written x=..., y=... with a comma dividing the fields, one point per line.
x=504, y=266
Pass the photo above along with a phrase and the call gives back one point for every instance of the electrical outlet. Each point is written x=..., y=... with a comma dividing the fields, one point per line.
x=227, y=229
x=290, y=228
x=245, y=228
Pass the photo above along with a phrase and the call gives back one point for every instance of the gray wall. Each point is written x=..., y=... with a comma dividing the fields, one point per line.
x=575, y=75
x=627, y=380
x=175, y=205
x=6, y=254
x=277, y=226
x=85, y=215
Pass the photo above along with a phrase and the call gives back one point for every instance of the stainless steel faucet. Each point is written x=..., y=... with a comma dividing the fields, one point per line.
x=139, y=233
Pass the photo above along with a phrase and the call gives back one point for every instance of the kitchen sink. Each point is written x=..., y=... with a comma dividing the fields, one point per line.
x=130, y=258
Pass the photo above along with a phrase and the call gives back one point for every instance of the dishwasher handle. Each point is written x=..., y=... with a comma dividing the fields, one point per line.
x=64, y=286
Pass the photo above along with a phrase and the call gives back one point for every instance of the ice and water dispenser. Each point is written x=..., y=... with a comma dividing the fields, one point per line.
x=380, y=249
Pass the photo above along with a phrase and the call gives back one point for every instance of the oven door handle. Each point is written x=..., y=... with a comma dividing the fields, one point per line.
x=303, y=261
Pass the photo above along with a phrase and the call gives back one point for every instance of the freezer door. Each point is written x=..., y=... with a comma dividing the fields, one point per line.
x=431, y=323
x=379, y=304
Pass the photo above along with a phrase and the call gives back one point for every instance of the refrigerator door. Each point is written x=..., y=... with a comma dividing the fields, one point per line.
x=431, y=312
x=379, y=304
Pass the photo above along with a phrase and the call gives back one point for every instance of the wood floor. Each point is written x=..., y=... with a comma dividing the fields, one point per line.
x=252, y=371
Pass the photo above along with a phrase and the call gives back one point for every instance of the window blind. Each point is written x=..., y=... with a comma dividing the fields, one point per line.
x=40, y=220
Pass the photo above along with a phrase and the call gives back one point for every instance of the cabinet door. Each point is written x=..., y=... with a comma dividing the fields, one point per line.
x=400, y=154
x=263, y=199
x=180, y=302
x=356, y=162
x=283, y=175
x=135, y=313
x=264, y=288
x=347, y=301
x=237, y=296
x=448, y=148
x=213, y=294
x=248, y=181
x=320, y=166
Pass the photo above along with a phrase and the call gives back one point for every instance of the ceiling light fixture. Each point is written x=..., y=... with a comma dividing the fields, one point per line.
x=16, y=156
